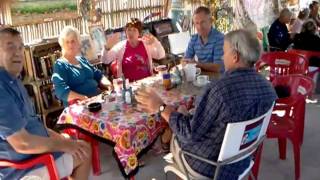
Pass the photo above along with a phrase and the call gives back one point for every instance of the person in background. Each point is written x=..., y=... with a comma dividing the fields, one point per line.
x=308, y=40
x=278, y=35
x=241, y=94
x=23, y=136
x=297, y=25
x=132, y=57
x=314, y=12
x=73, y=76
x=252, y=28
x=205, y=48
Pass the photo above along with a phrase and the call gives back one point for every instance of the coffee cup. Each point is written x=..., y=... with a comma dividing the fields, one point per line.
x=191, y=71
x=202, y=79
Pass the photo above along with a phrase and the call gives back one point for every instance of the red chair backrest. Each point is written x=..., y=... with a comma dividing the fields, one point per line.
x=283, y=63
x=305, y=54
x=298, y=84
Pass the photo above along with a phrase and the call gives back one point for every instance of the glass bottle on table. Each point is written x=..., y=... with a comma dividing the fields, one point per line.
x=166, y=81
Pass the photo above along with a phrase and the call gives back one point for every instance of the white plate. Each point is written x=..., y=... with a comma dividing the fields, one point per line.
x=195, y=83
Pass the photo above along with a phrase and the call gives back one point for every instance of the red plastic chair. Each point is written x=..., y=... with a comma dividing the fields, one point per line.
x=45, y=159
x=307, y=55
x=96, y=168
x=282, y=63
x=291, y=124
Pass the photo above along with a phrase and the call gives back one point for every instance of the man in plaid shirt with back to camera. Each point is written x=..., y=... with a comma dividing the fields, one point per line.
x=241, y=94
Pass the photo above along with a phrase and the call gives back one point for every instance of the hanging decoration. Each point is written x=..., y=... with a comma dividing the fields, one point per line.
x=233, y=14
x=261, y=13
x=222, y=14
x=85, y=8
x=89, y=12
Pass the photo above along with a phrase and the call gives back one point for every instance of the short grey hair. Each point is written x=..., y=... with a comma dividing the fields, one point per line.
x=309, y=26
x=246, y=45
x=285, y=13
x=66, y=31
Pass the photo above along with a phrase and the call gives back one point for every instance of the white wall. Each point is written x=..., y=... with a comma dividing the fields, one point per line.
x=305, y=3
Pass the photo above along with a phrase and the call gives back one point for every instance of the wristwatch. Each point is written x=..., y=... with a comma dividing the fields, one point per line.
x=162, y=108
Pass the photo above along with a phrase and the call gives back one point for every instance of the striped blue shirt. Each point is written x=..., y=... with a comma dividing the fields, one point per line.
x=211, y=52
x=240, y=95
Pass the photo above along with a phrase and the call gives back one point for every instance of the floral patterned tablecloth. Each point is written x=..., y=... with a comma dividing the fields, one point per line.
x=130, y=129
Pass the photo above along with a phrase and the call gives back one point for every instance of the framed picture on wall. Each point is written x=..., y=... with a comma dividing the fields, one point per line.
x=181, y=17
x=87, y=49
x=98, y=38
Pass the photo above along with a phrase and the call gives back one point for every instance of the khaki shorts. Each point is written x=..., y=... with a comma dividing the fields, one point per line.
x=175, y=149
x=64, y=165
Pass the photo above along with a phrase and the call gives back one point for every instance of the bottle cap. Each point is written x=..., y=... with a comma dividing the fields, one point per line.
x=166, y=76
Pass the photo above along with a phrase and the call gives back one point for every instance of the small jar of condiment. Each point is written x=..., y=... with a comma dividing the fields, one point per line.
x=166, y=80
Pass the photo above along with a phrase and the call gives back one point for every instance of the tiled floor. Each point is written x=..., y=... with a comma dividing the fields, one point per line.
x=271, y=167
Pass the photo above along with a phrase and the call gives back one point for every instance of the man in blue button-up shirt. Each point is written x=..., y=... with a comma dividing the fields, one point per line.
x=206, y=47
x=22, y=134
x=241, y=94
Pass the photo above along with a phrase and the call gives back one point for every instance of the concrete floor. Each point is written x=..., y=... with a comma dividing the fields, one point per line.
x=272, y=168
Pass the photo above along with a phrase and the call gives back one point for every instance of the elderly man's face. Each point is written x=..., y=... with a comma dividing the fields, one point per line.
x=202, y=23
x=287, y=19
x=11, y=53
x=229, y=56
x=71, y=44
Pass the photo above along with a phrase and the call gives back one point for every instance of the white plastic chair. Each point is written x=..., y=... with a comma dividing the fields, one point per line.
x=178, y=42
x=241, y=140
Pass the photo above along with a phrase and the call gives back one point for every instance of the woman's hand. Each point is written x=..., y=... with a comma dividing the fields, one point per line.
x=112, y=40
x=148, y=39
x=105, y=84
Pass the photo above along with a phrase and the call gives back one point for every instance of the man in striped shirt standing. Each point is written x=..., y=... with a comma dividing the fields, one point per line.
x=206, y=47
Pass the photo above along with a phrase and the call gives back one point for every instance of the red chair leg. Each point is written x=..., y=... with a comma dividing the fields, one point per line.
x=95, y=153
x=256, y=165
x=72, y=132
x=94, y=146
x=282, y=142
x=95, y=157
x=296, y=152
x=302, y=123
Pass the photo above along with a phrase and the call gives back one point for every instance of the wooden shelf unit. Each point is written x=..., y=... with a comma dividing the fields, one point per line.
x=39, y=61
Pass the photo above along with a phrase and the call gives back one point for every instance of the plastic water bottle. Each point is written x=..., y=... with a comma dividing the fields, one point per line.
x=128, y=97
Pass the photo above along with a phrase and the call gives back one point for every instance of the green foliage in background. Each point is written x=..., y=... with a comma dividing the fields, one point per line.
x=43, y=6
